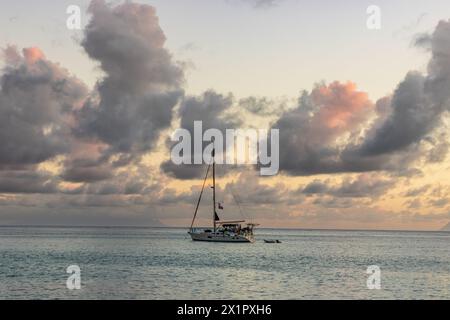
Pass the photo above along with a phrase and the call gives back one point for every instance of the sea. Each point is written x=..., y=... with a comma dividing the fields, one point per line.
x=163, y=263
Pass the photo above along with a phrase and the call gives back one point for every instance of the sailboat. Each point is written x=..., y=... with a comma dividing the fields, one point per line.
x=222, y=231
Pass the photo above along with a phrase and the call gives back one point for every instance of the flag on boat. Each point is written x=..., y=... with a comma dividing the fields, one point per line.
x=216, y=217
x=220, y=206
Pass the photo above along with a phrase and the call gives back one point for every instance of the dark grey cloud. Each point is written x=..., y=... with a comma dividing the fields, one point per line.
x=439, y=203
x=172, y=197
x=438, y=79
x=36, y=101
x=310, y=132
x=334, y=202
x=142, y=83
x=262, y=106
x=414, y=204
x=420, y=191
x=45, y=112
x=212, y=110
x=85, y=170
x=365, y=185
x=423, y=40
x=418, y=103
x=27, y=182
x=439, y=150
x=411, y=119
x=248, y=189
x=124, y=183
x=184, y=171
x=315, y=187
x=392, y=142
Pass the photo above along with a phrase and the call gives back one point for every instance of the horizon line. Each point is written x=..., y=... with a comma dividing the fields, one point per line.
x=177, y=227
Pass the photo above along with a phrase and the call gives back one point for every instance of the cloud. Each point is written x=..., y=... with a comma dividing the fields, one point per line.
x=37, y=101
x=418, y=103
x=411, y=119
x=313, y=133
x=138, y=182
x=101, y=134
x=315, y=187
x=414, y=204
x=37, y=98
x=334, y=202
x=85, y=170
x=439, y=152
x=364, y=185
x=258, y=4
x=46, y=112
x=417, y=191
x=439, y=203
x=263, y=3
x=248, y=189
x=24, y=181
x=329, y=131
x=263, y=107
x=212, y=109
x=142, y=83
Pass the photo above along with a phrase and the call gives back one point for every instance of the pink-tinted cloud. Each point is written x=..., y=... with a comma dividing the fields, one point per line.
x=341, y=106
x=32, y=55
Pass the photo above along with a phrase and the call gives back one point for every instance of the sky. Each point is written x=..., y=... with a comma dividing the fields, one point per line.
x=86, y=115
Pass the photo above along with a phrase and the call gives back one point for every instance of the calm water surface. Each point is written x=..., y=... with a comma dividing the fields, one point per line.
x=147, y=263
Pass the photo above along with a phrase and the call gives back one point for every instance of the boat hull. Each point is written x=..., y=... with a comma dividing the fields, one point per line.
x=219, y=237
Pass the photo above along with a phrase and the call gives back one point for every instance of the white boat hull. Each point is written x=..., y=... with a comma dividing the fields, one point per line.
x=219, y=237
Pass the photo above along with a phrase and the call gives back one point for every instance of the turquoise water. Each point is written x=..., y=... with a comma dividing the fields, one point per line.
x=147, y=263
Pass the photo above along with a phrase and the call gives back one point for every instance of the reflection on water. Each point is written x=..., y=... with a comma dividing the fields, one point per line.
x=141, y=263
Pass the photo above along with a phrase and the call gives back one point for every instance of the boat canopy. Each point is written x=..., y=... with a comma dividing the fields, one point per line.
x=230, y=222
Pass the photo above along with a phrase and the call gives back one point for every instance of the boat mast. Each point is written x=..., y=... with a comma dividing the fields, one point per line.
x=214, y=188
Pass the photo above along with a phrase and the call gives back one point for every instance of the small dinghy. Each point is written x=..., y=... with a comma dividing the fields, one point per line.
x=272, y=241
